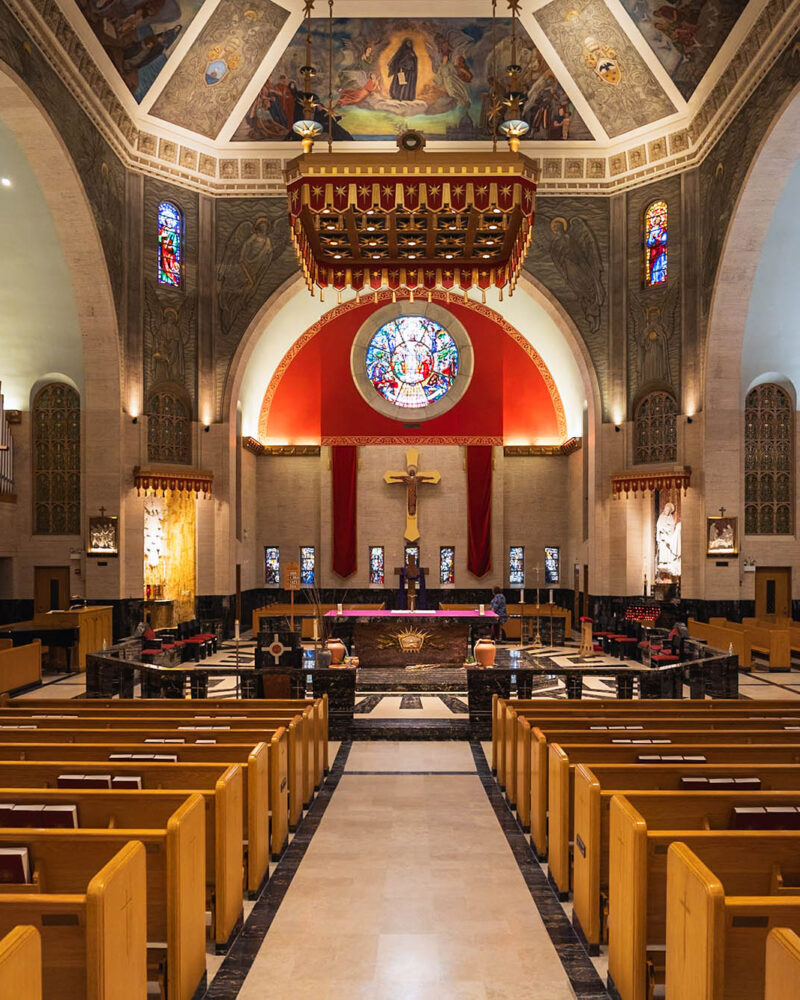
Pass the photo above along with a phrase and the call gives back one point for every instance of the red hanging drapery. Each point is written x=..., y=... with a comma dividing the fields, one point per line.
x=479, y=509
x=344, y=470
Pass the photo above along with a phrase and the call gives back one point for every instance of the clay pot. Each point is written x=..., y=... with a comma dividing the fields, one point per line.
x=485, y=652
x=338, y=651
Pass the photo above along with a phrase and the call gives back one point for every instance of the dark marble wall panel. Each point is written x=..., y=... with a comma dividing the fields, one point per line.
x=170, y=315
x=653, y=313
x=569, y=255
x=100, y=170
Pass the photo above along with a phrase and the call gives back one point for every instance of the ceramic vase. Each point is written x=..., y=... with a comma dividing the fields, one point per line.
x=485, y=652
x=338, y=651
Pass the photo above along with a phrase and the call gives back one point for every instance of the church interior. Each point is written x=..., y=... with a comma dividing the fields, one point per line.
x=398, y=499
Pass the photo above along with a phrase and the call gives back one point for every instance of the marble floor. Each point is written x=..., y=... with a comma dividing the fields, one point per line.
x=409, y=890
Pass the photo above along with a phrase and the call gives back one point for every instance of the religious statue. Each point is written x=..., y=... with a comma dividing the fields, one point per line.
x=403, y=72
x=411, y=479
x=668, y=543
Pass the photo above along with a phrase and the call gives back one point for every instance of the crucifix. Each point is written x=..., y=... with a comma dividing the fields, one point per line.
x=411, y=478
x=412, y=572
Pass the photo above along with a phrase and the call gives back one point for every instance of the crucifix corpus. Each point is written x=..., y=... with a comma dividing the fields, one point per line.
x=411, y=478
x=412, y=572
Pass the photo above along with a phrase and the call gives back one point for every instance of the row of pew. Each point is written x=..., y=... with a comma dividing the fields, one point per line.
x=774, y=641
x=673, y=825
x=146, y=823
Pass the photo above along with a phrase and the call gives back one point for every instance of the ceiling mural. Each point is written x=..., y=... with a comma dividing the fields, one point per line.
x=685, y=34
x=212, y=76
x=614, y=79
x=391, y=74
x=139, y=35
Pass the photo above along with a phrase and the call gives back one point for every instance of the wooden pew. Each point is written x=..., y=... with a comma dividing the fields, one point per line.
x=20, y=666
x=773, y=641
x=655, y=740
x=642, y=826
x=719, y=945
x=119, y=809
x=76, y=754
x=166, y=736
x=21, y=964
x=92, y=927
x=65, y=860
x=719, y=636
x=595, y=786
x=783, y=964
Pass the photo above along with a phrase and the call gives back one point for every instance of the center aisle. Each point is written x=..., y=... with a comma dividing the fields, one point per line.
x=408, y=890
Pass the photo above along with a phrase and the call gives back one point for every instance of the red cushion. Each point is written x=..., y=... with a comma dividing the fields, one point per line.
x=208, y=636
x=150, y=652
x=665, y=658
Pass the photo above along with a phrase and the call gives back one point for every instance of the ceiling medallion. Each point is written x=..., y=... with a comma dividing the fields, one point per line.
x=416, y=221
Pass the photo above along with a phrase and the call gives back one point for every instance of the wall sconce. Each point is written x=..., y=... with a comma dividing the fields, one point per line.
x=617, y=428
x=134, y=420
x=207, y=428
x=689, y=420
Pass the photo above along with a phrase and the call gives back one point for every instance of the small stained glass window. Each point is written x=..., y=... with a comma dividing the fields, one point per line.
x=377, y=565
x=272, y=565
x=447, y=565
x=516, y=566
x=656, y=235
x=412, y=550
x=552, y=567
x=412, y=361
x=308, y=565
x=170, y=244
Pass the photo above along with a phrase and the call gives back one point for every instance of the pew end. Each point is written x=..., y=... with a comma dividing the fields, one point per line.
x=783, y=964
x=21, y=964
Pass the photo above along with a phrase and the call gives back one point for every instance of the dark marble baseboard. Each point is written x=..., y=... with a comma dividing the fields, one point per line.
x=400, y=679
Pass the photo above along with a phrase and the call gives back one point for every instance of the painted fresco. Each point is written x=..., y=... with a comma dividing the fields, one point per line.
x=685, y=34
x=139, y=35
x=392, y=74
x=212, y=76
x=613, y=77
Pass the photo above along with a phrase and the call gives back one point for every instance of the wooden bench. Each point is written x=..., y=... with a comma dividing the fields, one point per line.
x=771, y=641
x=595, y=786
x=74, y=755
x=66, y=860
x=718, y=940
x=91, y=922
x=21, y=964
x=20, y=666
x=100, y=809
x=719, y=636
x=642, y=826
x=783, y=964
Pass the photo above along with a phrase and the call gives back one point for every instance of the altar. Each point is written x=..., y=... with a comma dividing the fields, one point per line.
x=410, y=638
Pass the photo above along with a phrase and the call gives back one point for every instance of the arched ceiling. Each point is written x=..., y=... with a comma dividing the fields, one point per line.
x=613, y=86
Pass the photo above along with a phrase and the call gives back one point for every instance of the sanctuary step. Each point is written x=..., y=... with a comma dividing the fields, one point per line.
x=403, y=679
x=410, y=729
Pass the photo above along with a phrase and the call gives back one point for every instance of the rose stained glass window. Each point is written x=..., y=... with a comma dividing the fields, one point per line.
x=377, y=565
x=170, y=244
x=412, y=361
x=656, y=236
x=447, y=565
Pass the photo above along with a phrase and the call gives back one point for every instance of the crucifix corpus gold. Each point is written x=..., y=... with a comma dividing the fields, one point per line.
x=411, y=478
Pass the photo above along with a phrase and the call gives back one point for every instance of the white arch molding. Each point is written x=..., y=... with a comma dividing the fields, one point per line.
x=532, y=310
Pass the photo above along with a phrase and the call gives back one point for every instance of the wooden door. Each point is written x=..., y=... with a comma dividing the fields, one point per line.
x=50, y=588
x=773, y=592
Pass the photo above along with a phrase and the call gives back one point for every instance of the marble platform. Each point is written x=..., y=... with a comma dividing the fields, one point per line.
x=403, y=679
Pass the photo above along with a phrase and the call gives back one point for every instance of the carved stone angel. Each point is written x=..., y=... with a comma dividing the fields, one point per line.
x=576, y=255
x=170, y=338
x=652, y=328
x=247, y=255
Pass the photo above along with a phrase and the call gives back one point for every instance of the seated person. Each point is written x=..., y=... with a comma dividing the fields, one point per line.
x=498, y=605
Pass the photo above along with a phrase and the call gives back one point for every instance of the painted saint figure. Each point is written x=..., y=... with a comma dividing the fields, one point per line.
x=403, y=73
x=655, y=239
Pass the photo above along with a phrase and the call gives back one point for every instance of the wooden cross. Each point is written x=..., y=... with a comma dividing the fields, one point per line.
x=413, y=572
x=411, y=478
x=722, y=511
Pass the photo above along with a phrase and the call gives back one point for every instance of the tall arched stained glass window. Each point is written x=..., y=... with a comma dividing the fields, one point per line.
x=768, y=461
x=170, y=244
x=656, y=235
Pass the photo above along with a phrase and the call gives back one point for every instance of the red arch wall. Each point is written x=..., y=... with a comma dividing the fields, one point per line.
x=508, y=400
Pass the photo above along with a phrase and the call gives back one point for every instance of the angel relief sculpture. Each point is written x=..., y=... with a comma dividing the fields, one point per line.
x=575, y=253
x=248, y=253
x=169, y=343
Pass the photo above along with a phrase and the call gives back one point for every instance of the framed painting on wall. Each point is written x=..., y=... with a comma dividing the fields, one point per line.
x=722, y=536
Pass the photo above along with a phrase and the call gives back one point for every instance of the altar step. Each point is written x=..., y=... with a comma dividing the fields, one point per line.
x=410, y=729
x=385, y=679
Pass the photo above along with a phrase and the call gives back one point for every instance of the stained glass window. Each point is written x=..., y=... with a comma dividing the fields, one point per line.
x=170, y=244
x=412, y=361
x=272, y=565
x=656, y=235
x=308, y=563
x=655, y=429
x=552, y=567
x=516, y=566
x=169, y=428
x=768, y=461
x=447, y=565
x=377, y=565
x=57, y=460
x=412, y=550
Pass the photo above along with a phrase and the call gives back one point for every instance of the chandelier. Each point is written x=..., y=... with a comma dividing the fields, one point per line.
x=412, y=221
